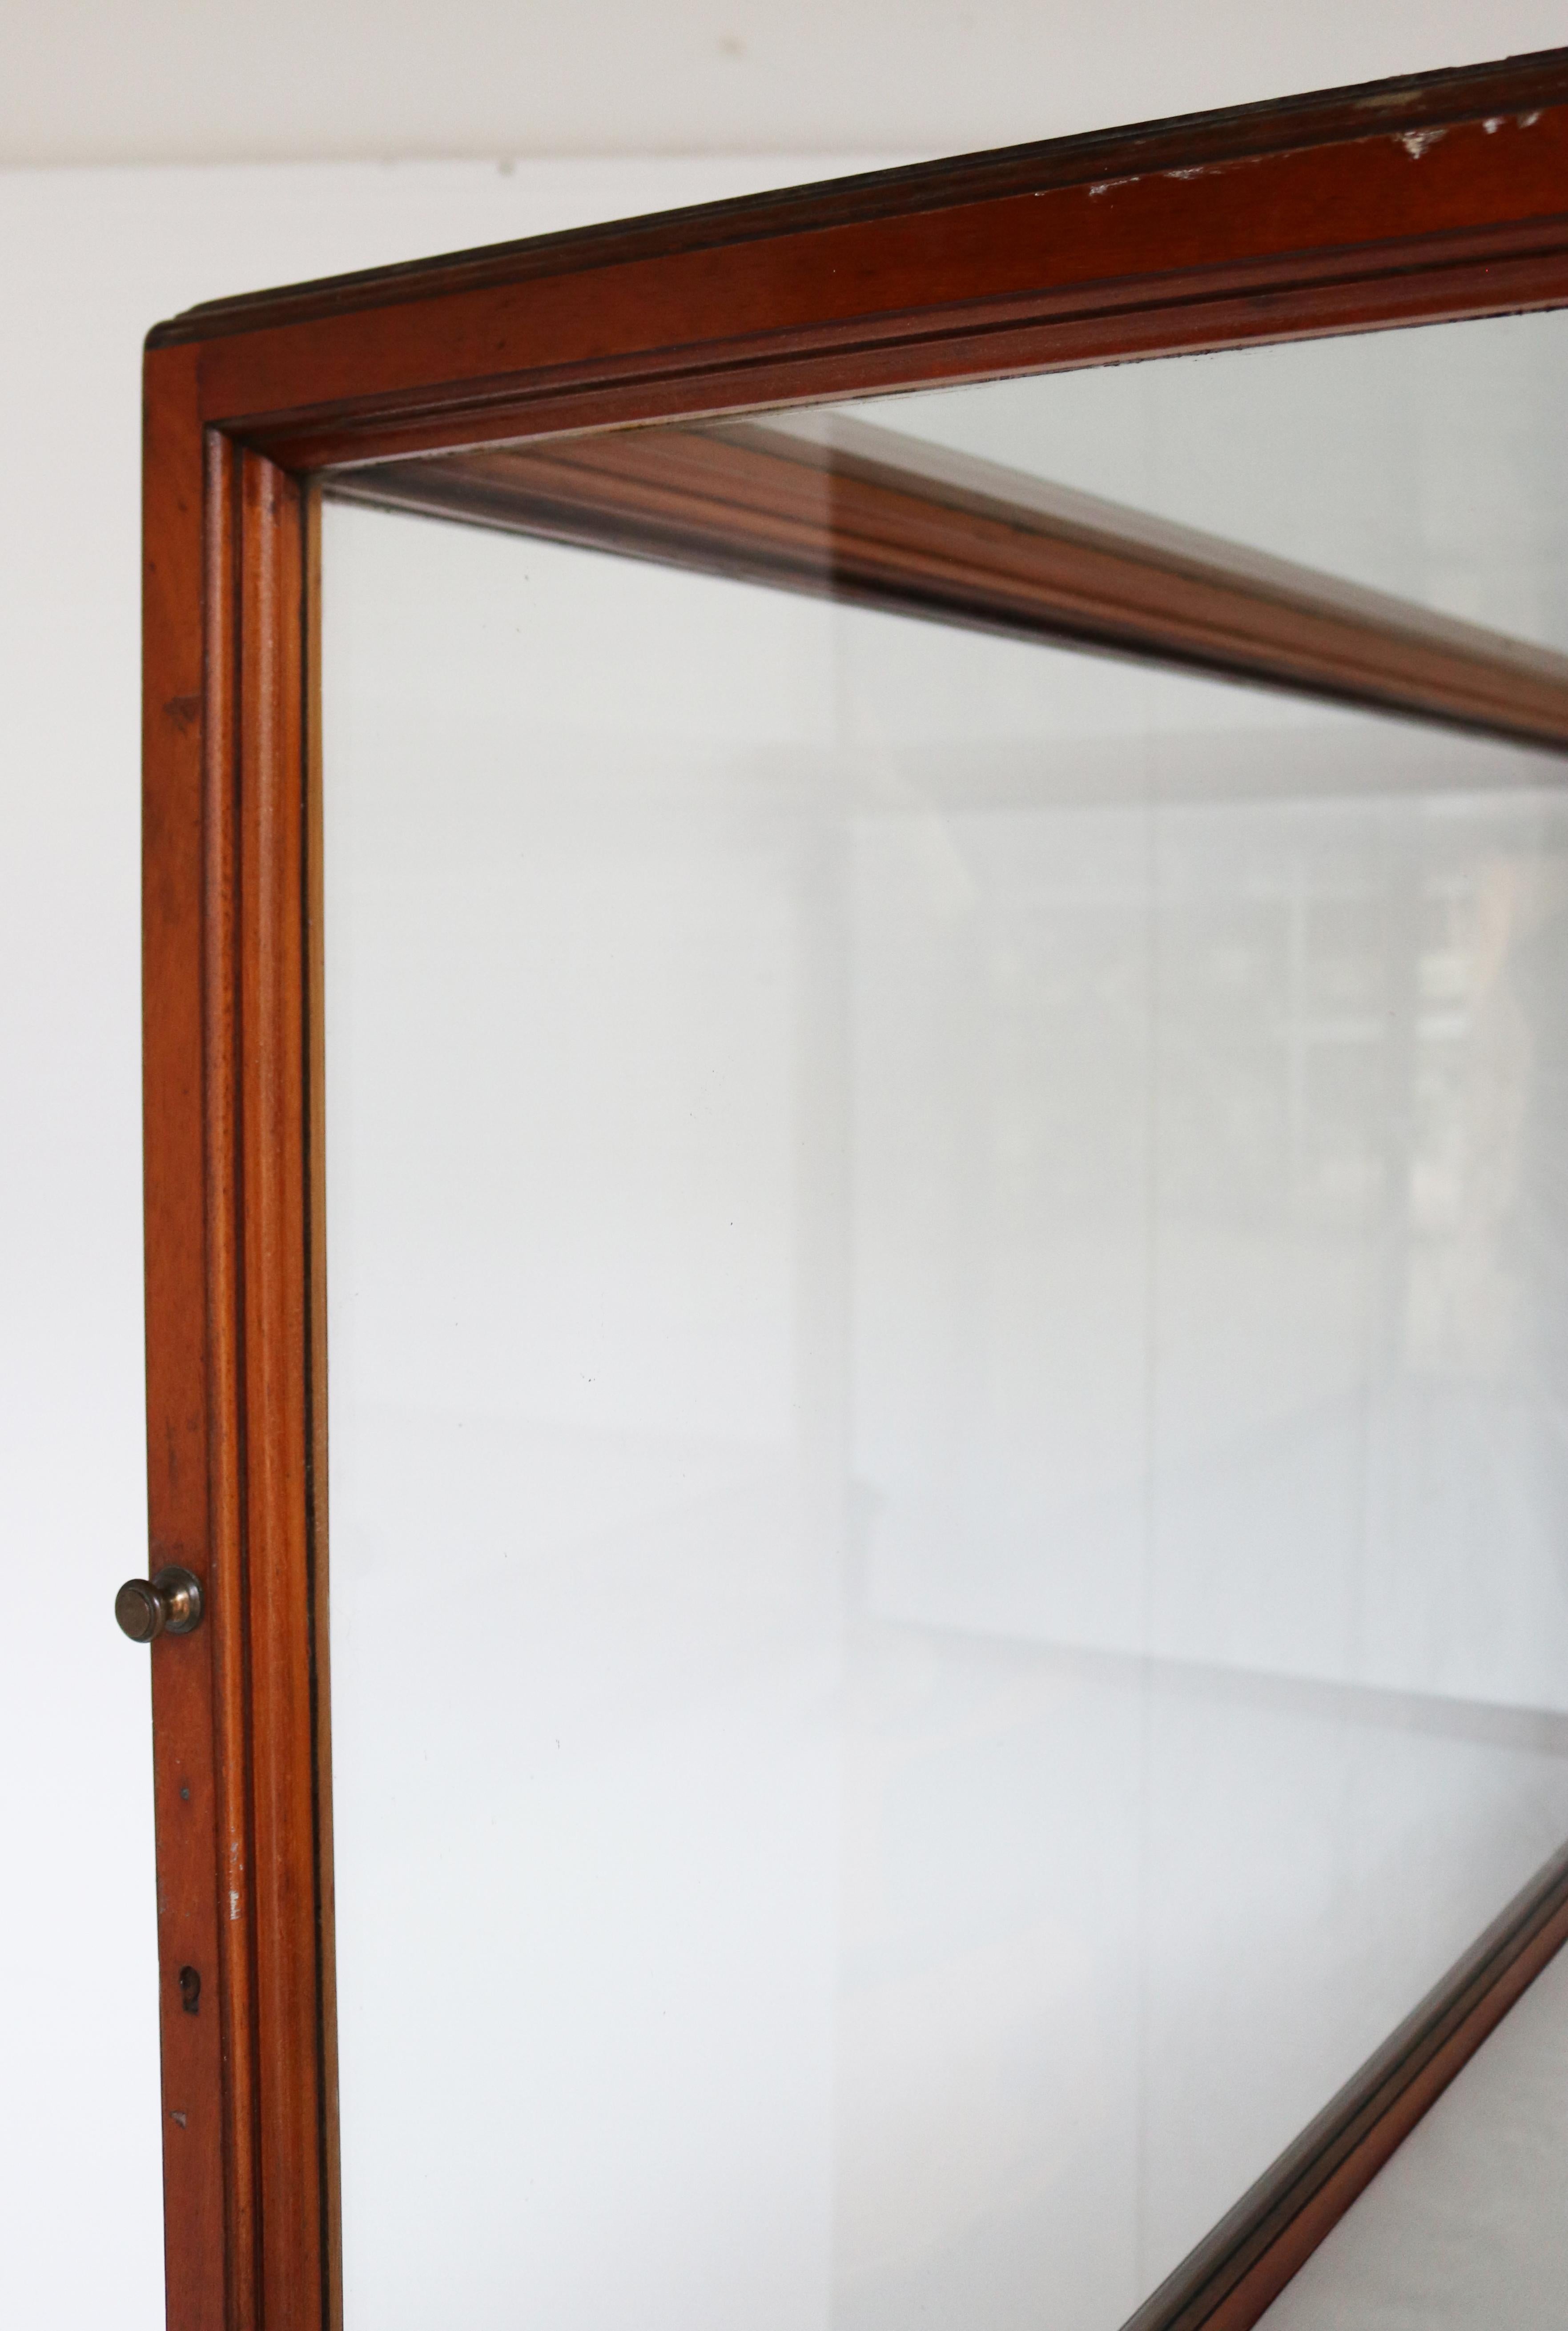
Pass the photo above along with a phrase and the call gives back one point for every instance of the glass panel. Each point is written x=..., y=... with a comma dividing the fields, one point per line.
x=945, y=1270
x=1432, y=463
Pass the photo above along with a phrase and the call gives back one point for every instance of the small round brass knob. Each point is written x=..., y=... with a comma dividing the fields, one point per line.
x=169, y=1602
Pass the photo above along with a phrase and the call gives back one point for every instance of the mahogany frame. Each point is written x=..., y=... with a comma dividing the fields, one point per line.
x=1441, y=197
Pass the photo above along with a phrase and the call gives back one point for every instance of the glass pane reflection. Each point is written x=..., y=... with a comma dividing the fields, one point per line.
x=961, y=1247
x=1432, y=463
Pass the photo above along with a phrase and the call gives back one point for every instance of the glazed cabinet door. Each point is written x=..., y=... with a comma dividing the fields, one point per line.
x=945, y=1086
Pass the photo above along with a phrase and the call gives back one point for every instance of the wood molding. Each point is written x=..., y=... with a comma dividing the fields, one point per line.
x=1430, y=202
x=862, y=514
x=1404, y=106
x=204, y=2086
x=222, y=1196
x=270, y=1073
x=331, y=2199
x=233, y=1421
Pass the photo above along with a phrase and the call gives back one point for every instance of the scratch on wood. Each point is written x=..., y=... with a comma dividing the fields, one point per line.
x=1416, y=142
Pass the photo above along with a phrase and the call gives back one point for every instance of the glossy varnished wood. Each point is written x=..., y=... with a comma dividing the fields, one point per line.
x=222, y=1195
x=233, y=1354
x=188, y=1767
x=272, y=1073
x=850, y=512
x=1442, y=197
x=1232, y=134
x=1431, y=205
x=329, y=2202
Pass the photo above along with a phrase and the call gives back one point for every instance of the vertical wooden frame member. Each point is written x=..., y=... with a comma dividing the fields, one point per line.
x=225, y=1601
x=331, y=2205
x=202, y=2084
x=273, y=1051
x=236, y=1430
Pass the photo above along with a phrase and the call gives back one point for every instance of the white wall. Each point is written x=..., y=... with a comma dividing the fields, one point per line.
x=88, y=258
x=134, y=80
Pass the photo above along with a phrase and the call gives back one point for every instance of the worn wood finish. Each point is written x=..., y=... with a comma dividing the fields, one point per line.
x=851, y=512
x=1435, y=205
x=1409, y=104
x=1343, y=212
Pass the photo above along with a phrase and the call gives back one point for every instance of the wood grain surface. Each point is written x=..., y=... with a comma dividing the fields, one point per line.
x=1409, y=105
x=189, y=1772
x=1433, y=203
x=244, y=1871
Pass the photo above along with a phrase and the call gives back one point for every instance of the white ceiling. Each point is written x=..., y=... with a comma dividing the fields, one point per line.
x=214, y=80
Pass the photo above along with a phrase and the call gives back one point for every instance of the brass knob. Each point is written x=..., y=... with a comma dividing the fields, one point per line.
x=169, y=1602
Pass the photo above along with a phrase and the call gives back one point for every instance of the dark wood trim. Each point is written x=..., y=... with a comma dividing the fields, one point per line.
x=1422, y=278
x=200, y=2080
x=1237, y=2271
x=1437, y=198
x=274, y=1347
x=248, y=2079
x=1405, y=104
x=1398, y=284
x=857, y=513
x=1437, y=207
x=315, y=1129
x=217, y=1078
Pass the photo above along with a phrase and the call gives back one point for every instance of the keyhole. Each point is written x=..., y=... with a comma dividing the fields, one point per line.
x=190, y=1990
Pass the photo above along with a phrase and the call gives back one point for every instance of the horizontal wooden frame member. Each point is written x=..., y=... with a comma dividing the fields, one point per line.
x=1439, y=196
x=1435, y=197
x=834, y=508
